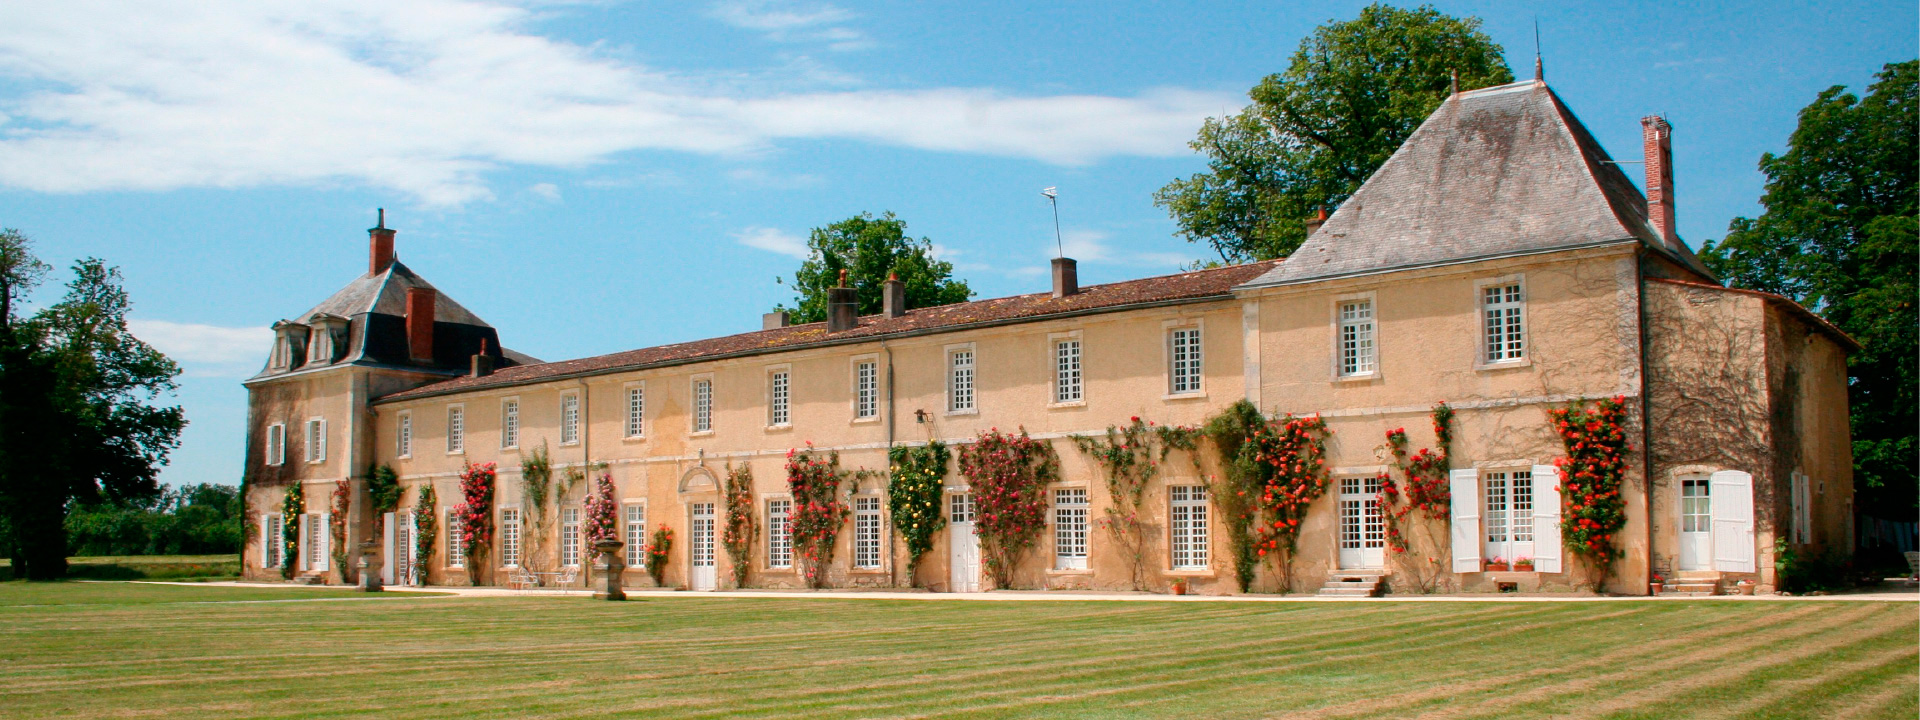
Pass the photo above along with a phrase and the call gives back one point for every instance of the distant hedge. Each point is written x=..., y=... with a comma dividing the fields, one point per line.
x=185, y=520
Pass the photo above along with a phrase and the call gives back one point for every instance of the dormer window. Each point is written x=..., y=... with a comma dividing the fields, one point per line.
x=289, y=346
x=320, y=345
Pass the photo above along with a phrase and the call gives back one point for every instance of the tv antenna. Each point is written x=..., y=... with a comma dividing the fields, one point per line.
x=1053, y=198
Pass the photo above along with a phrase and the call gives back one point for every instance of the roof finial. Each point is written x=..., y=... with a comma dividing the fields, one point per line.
x=1539, y=69
x=843, y=277
x=382, y=224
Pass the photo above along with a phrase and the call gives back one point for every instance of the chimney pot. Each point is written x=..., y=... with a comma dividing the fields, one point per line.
x=1066, y=277
x=1319, y=218
x=773, y=320
x=841, y=314
x=1657, y=139
x=895, y=300
x=420, y=310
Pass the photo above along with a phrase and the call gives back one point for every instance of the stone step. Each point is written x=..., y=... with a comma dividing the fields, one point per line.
x=1347, y=591
x=1691, y=588
x=1697, y=575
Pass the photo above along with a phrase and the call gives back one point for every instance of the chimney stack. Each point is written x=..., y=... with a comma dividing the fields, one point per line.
x=482, y=362
x=1657, y=137
x=773, y=320
x=380, y=246
x=895, y=296
x=420, y=310
x=1066, y=277
x=841, y=313
x=1319, y=218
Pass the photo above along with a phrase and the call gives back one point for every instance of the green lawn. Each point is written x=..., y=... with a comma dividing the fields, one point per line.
x=145, y=567
x=180, y=652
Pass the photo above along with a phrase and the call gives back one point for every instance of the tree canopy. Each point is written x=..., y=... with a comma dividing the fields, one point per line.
x=868, y=249
x=1352, y=94
x=1838, y=236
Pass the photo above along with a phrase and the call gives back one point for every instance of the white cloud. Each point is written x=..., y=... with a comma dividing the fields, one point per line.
x=207, y=350
x=549, y=191
x=773, y=240
x=793, y=22
x=426, y=97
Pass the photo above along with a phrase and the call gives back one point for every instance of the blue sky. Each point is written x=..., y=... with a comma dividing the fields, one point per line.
x=598, y=176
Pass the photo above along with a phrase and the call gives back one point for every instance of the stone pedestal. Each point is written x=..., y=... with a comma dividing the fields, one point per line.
x=611, y=567
x=369, y=566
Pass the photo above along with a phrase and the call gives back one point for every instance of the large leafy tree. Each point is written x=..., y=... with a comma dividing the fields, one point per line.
x=77, y=419
x=1353, y=93
x=1838, y=235
x=869, y=249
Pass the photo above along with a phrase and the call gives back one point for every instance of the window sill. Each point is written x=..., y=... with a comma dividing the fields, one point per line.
x=1202, y=395
x=575, y=443
x=865, y=420
x=633, y=439
x=451, y=453
x=1068, y=572
x=510, y=449
x=700, y=434
x=1504, y=365
x=780, y=428
x=1190, y=572
x=952, y=413
x=867, y=571
x=777, y=571
x=1361, y=378
x=408, y=456
x=1069, y=405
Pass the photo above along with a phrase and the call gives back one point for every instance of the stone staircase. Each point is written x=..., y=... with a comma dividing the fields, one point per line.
x=1354, y=584
x=1693, y=583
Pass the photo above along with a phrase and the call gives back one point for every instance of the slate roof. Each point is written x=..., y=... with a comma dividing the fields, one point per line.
x=1166, y=289
x=386, y=293
x=1496, y=172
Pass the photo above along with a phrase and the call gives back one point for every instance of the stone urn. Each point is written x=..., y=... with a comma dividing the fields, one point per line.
x=369, y=566
x=611, y=567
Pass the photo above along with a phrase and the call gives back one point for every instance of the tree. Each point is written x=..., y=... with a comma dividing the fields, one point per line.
x=868, y=249
x=1838, y=236
x=1352, y=94
x=76, y=423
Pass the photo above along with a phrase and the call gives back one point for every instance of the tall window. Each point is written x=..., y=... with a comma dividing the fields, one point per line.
x=866, y=532
x=1356, y=337
x=1066, y=371
x=276, y=444
x=570, y=537
x=866, y=389
x=316, y=440
x=1183, y=356
x=510, y=537
x=779, y=534
x=1506, y=336
x=276, y=554
x=1509, y=514
x=960, y=380
x=1070, y=528
x=636, y=411
x=1189, y=527
x=702, y=405
x=510, y=423
x=777, y=399
x=456, y=540
x=456, y=429
x=637, y=536
x=569, y=419
x=406, y=435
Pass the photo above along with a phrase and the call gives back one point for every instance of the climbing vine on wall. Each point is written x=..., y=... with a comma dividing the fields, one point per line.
x=659, y=551
x=740, y=530
x=291, y=507
x=1009, y=476
x=1591, y=474
x=1131, y=457
x=818, y=510
x=603, y=513
x=337, y=522
x=383, y=494
x=426, y=528
x=1237, y=494
x=915, y=486
x=1294, y=449
x=476, y=516
x=1415, y=506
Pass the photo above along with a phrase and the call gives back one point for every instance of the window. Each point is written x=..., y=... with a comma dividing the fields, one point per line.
x=779, y=533
x=456, y=429
x=1696, y=505
x=1070, y=528
x=276, y=444
x=316, y=440
x=320, y=345
x=1183, y=359
x=637, y=536
x=777, y=414
x=510, y=537
x=1356, y=338
x=636, y=411
x=960, y=381
x=456, y=540
x=569, y=419
x=1502, y=305
x=702, y=405
x=282, y=357
x=866, y=532
x=1066, y=371
x=276, y=541
x=405, y=439
x=1189, y=527
x=570, y=537
x=1509, y=514
x=866, y=389
x=510, y=423
x=960, y=507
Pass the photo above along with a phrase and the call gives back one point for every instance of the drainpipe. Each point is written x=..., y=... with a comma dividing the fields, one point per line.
x=1646, y=413
x=893, y=568
x=586, y=464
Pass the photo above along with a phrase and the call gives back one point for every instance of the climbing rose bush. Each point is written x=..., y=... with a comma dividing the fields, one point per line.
x=818, y=510
x=603, y=512
x=1591, y=474
x=476, y=516
x=1009, y=476
x=1295, y=450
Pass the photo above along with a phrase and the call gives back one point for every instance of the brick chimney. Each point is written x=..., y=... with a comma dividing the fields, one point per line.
x=841, y=311
x=1319, y=218
x=380, y=246
x=482, y=364
x=1066, y=277
x=1657, y=136
x=420, y=324
x=895, y=296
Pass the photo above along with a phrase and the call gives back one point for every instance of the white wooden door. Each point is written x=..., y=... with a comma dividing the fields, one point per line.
x=1696, y=523
x=964, y=548
x=700, y=548
x=1363, y=533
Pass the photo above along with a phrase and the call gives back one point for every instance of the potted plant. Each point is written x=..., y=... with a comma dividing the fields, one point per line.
x=1745, y=587
x=1179, y=586
x=1523, y=564
x=1497, y=564
x=1655, y=585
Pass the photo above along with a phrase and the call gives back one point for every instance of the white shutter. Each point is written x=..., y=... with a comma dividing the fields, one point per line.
x=323, y=440
x=1731, y=492
x=392, y=558
x=325, y=556
x=305, y=538
x=1547, y=544
x=1464, y=486
x=266, y=541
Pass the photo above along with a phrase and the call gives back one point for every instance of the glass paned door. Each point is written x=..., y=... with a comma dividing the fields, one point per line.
x=1363, y=533
x=1696, y=524
x=964, y=547
x=700, y=547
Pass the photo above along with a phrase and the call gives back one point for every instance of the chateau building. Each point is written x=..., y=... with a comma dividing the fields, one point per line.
x=1499, y=262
